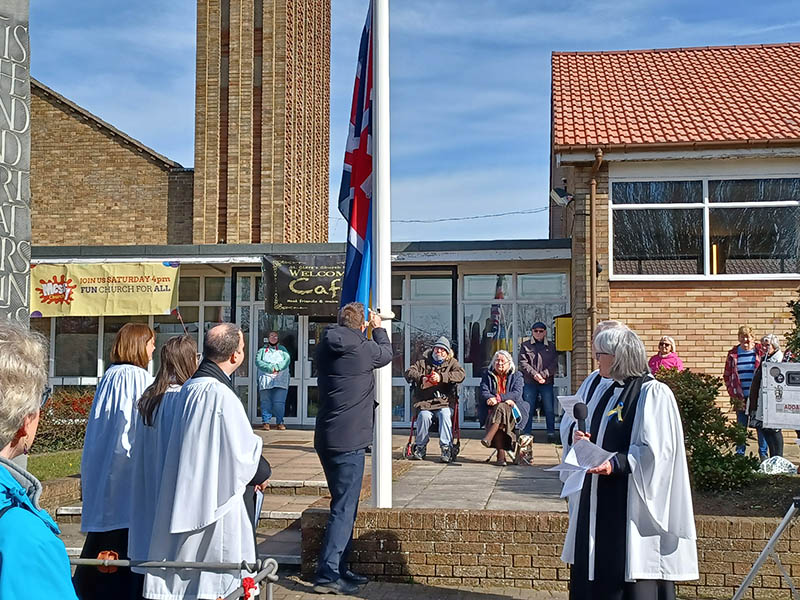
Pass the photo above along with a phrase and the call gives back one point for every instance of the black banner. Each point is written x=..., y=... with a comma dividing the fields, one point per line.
x=303, y=284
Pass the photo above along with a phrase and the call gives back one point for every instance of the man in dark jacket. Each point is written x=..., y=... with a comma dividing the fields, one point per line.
x=435, y=378
x=345, y=361
x=537, y=363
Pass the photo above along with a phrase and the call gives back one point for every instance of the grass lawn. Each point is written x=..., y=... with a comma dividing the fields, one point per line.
x=55, y=464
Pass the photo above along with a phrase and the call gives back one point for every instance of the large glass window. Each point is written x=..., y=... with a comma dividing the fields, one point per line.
x=184, y=320
x=668, y=242
x=76, y=347
x=739, y=227
x=755, y=240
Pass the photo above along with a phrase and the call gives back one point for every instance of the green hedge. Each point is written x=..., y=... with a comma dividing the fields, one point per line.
x=62, y=424
x=711, y=438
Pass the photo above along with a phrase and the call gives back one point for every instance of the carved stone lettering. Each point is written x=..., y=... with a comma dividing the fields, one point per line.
x=15, y=161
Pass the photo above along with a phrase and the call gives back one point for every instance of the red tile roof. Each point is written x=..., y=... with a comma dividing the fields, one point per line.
x=680, y=96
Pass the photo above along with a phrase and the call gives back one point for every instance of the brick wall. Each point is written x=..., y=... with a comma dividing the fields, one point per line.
x=580, y=286
x=82, y=174
x=702, y=317
x=180, y=208
x=522, y=550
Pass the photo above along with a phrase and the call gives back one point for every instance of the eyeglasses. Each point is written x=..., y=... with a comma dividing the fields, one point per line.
x=45, y=396
x=664, y=344
x=538, y=331
x=597, y=355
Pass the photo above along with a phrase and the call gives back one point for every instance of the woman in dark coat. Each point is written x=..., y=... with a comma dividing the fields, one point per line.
x=501, y=406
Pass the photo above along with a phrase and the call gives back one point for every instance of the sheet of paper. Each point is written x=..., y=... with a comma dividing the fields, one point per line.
x=573, y=484
x=259, y=503
x=583, y=455
x=567, y=402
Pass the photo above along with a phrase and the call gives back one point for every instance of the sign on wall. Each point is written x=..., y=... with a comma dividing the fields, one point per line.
x=303, y=284
x=93, y=290
x=15, y=160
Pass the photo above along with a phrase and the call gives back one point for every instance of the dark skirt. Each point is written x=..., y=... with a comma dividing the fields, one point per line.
x=91, y=584
x=502, y=414
x=646, y=589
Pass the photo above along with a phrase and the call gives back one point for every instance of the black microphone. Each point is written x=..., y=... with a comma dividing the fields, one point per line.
x=580, y=412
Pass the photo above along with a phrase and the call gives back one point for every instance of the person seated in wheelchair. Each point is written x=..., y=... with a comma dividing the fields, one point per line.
x=434, y=379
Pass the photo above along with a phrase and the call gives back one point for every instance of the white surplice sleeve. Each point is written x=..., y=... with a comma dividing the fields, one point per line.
x=218, y=449
x=657, y=460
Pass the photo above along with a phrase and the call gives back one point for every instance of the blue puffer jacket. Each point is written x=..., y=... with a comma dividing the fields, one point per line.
x=33, y=560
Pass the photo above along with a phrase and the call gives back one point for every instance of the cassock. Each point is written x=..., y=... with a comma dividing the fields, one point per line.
x=632, y=533
x=106, y=461
x=191, y=470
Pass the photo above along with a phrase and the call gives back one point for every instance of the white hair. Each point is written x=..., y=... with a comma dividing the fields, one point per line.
x=23, y=377
x=511, y=368
x=772, y=340
x=609, y=324
x=630, y=356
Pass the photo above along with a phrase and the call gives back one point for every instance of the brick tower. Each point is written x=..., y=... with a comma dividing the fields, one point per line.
x=262, y=121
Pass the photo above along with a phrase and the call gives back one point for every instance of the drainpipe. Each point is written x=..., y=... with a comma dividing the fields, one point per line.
x=598, y=160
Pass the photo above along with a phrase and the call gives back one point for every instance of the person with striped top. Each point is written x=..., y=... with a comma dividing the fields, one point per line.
x=742, y=362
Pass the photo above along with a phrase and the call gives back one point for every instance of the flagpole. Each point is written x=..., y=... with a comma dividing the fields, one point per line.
x=382, y=237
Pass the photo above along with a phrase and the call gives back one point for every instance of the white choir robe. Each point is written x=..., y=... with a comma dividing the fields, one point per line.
x=190, y=473
x=661, y=536
x=106, y=461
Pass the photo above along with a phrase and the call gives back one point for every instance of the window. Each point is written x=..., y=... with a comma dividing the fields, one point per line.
x=76, y=347
x=707, y=227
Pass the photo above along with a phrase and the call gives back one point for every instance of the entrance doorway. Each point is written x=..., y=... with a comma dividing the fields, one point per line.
x=300, y=335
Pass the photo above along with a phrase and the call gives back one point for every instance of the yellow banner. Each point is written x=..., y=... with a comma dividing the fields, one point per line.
x=93, y=290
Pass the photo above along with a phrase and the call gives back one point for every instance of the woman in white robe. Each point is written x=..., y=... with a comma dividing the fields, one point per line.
x=631, y=533
x=106, y=463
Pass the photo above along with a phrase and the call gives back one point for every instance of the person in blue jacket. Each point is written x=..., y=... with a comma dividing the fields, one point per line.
x=33, y=560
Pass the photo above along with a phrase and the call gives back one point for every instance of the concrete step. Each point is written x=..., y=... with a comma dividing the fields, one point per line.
x=296, y=487
x=278, y=511
x=282, y=544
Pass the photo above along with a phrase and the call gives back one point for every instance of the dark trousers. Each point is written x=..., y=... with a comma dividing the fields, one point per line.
x=90, y=583
x=529, y=393
x=742, y=419
x=774, y=439
x=343, y=472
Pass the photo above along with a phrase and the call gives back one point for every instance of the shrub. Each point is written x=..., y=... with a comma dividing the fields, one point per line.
x=793, y=336
x=62, y=425
x=710, y=437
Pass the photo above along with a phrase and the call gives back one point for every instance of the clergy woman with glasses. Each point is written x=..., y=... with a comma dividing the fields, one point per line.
x=631, y=532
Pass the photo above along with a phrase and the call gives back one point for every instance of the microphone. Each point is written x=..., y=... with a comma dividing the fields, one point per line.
x=580, y=412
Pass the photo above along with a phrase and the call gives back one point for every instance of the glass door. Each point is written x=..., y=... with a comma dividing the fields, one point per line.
x=288, y=329
x=314, y=329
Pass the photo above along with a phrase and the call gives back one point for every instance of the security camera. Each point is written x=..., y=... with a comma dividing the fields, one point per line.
x=555, y=196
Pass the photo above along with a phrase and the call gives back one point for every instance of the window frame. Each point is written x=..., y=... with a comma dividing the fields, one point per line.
x=634, y=174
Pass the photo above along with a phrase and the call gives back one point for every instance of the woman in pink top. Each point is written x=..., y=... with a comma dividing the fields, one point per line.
x=666, y=356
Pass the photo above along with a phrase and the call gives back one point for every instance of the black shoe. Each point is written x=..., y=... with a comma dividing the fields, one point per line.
x=355, y=578
x=340, y=586
x=418, y=453
x=552, y=438
x=445, y=457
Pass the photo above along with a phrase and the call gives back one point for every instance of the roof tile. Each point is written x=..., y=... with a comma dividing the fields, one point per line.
x=681, y=95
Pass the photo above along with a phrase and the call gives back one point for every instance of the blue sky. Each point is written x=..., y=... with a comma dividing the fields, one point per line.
x=470, y=86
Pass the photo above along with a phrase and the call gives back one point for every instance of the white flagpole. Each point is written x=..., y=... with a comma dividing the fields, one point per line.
x=382, y=237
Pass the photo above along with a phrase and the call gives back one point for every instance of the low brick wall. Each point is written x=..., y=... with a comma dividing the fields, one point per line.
x=63, y=491
x=511, y=549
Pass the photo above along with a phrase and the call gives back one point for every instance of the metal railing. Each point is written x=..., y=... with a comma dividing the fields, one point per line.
x=264, y=569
